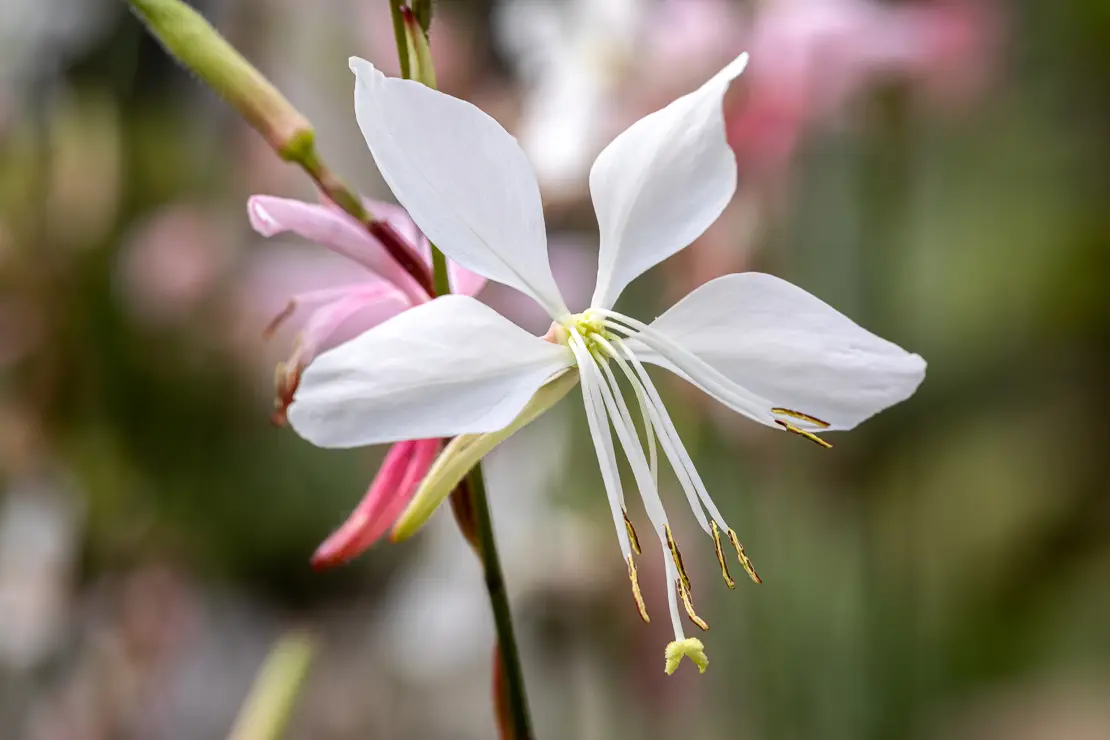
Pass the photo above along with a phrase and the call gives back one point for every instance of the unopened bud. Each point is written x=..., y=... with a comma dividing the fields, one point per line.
x=198, y=47
x=421, y=68
x=422, y=9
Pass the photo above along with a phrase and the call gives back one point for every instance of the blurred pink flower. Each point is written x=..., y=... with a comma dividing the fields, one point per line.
x=684, y=41
x=383, y=290
x=170, y=263
x=809, y=57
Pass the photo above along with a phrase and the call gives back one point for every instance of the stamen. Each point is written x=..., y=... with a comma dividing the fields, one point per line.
x=632, y=538
x=744, y=559
x=617, y=411
x=719, y=551
x=598, y=422
x=645, y=417
x=677, y=556
x=687, y=602
x=278, y=320
x=672, y=597
x=734, y=396
x=601, y=353
x=803, y=433
x=802, y=417
x=287, y=376
x=636, y=591
x=653, y=407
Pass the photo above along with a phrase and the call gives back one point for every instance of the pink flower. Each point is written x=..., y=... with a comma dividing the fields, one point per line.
x=382, y=290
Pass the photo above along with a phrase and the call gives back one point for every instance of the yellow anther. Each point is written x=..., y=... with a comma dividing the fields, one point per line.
x=636, y=591
x=744, y=560
x=803, y=433
x=691, y=648
x=632, y=538
x=687, y=602
x=677, y=557
x=800, y=416
x=716, y=532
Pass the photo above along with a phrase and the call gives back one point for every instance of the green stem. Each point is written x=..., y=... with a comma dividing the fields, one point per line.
x=511, y=671
x=440, y=276
x=399, y=34
x=473, y=514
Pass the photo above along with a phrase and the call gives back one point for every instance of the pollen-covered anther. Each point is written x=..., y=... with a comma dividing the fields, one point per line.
x=639, y=597
x=688, y=604
x=720, y=553
x=677, y=557
x=743, y=556
x=285, y=381
x=633, y=540
x=801, y=417
x=803, y=433
x=287, y=378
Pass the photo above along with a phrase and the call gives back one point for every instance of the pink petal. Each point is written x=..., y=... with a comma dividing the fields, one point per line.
x=372, y=305
x=333, y=229
x=399, y=219
x=308, y=299
x=405, y=465
x=463, y=281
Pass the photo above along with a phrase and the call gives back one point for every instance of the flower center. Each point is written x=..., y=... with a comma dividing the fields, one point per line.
x=589, y=325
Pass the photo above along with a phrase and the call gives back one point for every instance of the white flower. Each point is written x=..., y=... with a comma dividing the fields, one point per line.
x=453, y=366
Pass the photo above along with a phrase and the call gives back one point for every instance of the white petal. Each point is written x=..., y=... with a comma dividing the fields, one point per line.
x=661, y=183
x=463, y=179
x=447, y=367
x=777, y=341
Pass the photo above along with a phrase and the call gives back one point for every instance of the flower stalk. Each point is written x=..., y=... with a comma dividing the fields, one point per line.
x=196, y=45
x=469, y=502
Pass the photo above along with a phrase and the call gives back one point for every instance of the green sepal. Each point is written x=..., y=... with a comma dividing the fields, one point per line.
x=467, y=450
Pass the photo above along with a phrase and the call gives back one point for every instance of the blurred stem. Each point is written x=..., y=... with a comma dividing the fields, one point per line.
x=890, y=577
x=469, y=501
x=266, y=711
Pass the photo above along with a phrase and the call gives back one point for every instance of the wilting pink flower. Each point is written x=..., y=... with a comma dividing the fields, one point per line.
x=384, y=291
x=402, y=470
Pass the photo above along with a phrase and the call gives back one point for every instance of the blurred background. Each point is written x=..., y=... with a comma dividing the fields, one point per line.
x=939, y=170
